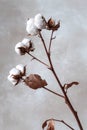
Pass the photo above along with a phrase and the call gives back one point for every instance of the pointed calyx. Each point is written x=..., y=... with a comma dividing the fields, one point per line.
x=67, y=86
x=35, y=81
x=44, y=124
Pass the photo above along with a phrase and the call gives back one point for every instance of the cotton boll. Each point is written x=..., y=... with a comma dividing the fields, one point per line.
x=25, y=42
x=40, y=21
x=28, y=45
x=14, y=72
x=21, y=68
x=12, y=80
x=31, y=28
x=19, y=48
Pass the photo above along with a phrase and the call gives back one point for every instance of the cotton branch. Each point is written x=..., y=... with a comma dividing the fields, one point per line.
x=67, y=100
x=34, y=27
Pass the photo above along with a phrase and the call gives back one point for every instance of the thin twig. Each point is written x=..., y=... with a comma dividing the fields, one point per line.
x=41, y=37
x=62, y=121
x=54, y=92
x=38, y=60
x=51, y=38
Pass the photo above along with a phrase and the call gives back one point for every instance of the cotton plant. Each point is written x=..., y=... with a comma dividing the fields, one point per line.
x=34, y=27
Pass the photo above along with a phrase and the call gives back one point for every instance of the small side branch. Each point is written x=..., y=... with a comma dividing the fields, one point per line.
x=61, y=86
x=61, y=121
x=54, y=92
x=38, y=60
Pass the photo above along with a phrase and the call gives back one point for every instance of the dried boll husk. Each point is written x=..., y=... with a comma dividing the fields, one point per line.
x=51, y=25
x=34, y=81
x=51, y=125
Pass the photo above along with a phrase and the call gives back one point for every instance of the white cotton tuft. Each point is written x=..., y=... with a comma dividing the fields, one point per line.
x=17, y=48
x=31, y=28
x=14, y=71
x=25, y=42
x=12, y=80
x=21, y=68
x=40, y=21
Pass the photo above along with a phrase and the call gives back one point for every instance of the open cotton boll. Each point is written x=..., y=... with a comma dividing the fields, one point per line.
x=14, y=72
x=21, y=68
x=25, y=42
x=40, y=21
x=31, y=28
x=20, y=48
x=12, y=80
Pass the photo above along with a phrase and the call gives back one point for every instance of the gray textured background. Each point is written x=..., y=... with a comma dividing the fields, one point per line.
x=22, y=108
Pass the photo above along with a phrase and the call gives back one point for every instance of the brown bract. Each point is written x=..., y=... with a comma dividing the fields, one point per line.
x=22, y=50
x=17, y=77
x=23, y=73
x=31, y=48
x=51, y=125
x=51, y=25
x=34, y=81
x=67, y=86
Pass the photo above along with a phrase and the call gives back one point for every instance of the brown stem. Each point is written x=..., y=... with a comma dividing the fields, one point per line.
x=38, y=60
x=67, y=101
x=54, y=92
x=40, y=35
x=62, y=121
x=50, y=41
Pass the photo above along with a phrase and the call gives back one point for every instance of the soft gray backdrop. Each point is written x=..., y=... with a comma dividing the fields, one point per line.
x=22, y=108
